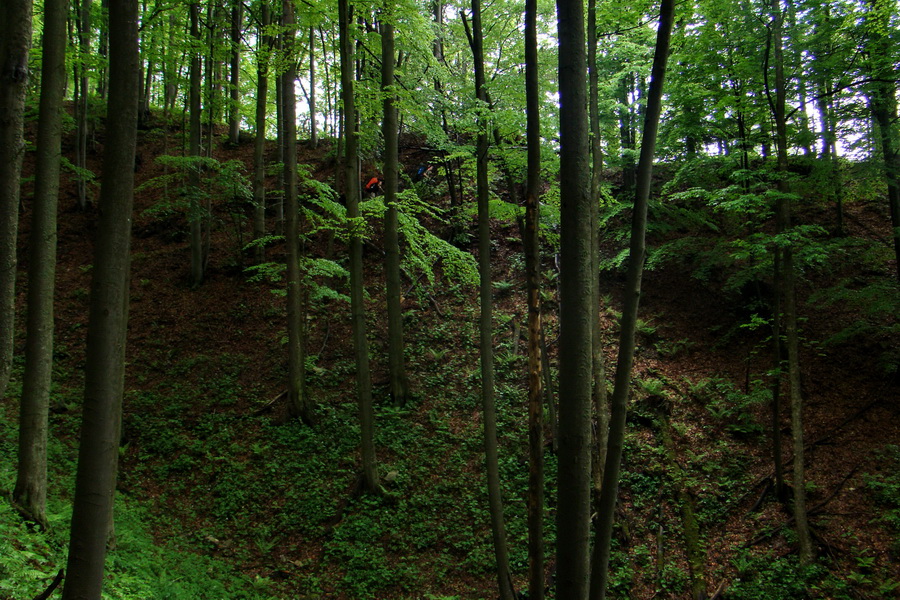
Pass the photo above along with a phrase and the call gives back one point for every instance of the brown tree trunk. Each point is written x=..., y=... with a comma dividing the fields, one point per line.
x=15, y=44
x=576, y=314
x=636, y=257
x=370, y=480
x=105, y=368
x=30, y=494
x=533, y=282
x=391, y=133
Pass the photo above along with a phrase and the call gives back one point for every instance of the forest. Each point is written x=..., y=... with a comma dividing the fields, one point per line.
x=443, y=299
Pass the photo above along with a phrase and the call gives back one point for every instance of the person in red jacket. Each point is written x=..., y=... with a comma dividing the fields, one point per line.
x=373, y=188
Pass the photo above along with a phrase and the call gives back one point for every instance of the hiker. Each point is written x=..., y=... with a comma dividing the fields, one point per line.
x=423, y=172
x=373, y=188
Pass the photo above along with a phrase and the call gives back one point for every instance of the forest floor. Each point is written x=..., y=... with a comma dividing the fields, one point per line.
x=209, y=453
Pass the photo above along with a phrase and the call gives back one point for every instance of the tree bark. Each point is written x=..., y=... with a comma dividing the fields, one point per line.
x=576, y=314
x=391, y=133
x=30, y=494
x=884, y=109
x=636, y=257
x=234, y=114
x=351, y=185
x=259, y=145
x=782, y=225
x=313, y=126
x=498, y=528
x=15, y=44
x=531, y=242
x=81, y=102
x=105, y=366
x=298, y=401
x=599, y=392
x=195, y=210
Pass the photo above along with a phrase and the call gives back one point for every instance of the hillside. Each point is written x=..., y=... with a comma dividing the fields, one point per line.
x=219, y=471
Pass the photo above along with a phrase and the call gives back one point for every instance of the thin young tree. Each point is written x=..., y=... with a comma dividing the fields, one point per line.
x=299, y=404
x=533, y=283
x=636, y=257
x=263, y=55
x=195, y=210
x=599, y=392
x=82, y=99
x=787, y=287
x=234, y=112
x=30, y=494
x=491, y=459
x=369, y=479
x=391, y=132
x=107, y=324
x=15, y=44
x=576, y=314
x=883, y=101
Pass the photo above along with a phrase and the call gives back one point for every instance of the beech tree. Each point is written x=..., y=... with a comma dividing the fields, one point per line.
x=391, y=135
x=98, y=450
x=576, y=312
x=628, y=324
x=370, y=480
x=15, y=44
x=30, y=494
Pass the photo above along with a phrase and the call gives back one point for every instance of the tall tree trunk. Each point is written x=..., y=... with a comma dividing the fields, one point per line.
x=391, y=134
x=15, y=44
x=576, y=313
x=495, y=502
x=313, y=126
x=105, y=367
x=30, y=494
x=599, y=392
x=195, y=210
x=782, y=225
x=370, y=481
x=884, y=108
x=298, y=402
x=234, y=113
x=532, y=243
x=636, y=257
x=259, y=145
x=81, y=102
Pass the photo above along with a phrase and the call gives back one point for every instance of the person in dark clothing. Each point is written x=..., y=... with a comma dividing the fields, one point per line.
x=374, y=187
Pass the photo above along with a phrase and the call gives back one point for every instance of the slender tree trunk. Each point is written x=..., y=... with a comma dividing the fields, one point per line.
x=298, y=402
x=81, y=102
x=15, y=44
x=313, y=126
x=495, y=502
x=783, y=224
x=599, y=392
x=576, y=313
x=30, y=494
x=105, y=368
x=351, y=185
x=609, y=493
x=776, y=379
x=196, y=209
x=533, y=282
x=259, y=145
x=884, y=110
x=279, y=126
x=234, y=114
x=391, y=134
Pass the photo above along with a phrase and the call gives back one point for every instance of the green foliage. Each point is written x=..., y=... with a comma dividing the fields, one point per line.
x=884, y=486
x=770, y=577
x=734, y=408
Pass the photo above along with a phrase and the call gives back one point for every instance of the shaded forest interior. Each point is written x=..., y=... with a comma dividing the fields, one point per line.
x=241, y=470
